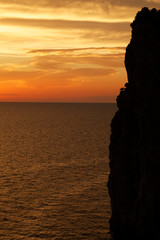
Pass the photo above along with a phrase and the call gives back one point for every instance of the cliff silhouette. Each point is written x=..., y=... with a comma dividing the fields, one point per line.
x=135, y=137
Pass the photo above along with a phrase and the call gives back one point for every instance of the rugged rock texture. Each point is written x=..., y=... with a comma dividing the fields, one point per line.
x=135, y=139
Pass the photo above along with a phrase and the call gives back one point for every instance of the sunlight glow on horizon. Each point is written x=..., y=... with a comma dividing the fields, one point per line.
x=64, y=50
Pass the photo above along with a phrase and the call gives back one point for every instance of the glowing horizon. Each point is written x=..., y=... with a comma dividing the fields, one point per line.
x=64, y=51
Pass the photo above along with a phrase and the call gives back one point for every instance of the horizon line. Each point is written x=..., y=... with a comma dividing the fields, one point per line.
x=51, y=102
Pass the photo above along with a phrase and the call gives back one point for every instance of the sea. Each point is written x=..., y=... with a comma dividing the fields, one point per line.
x=54, y=170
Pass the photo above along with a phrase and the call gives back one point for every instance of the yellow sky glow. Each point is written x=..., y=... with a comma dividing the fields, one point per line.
x=64, y=51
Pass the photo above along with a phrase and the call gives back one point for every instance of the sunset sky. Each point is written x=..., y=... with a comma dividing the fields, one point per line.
x=65, y=50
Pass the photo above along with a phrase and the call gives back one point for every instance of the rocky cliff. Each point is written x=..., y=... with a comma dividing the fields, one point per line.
x=135, y=137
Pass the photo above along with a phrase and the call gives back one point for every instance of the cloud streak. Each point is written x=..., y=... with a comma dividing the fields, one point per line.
x=65, y=48
x=66, y=24
x=72, y=50
x=79, y=3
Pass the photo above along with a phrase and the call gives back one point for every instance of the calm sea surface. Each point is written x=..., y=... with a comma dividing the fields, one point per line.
x=54, y=171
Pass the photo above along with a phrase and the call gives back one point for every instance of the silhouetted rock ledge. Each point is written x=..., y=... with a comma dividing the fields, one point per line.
x=134, y=180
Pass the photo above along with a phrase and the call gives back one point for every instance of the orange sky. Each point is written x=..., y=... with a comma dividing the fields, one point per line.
x=65, y=50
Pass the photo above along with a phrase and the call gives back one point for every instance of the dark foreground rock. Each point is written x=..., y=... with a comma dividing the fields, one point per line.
x=134, y=182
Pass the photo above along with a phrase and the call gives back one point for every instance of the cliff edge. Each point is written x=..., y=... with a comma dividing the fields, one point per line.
x=135, y=137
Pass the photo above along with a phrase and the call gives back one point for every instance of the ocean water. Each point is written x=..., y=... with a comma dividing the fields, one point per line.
x=54, y=171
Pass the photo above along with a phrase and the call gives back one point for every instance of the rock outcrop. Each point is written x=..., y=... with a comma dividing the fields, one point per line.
x=134, y=182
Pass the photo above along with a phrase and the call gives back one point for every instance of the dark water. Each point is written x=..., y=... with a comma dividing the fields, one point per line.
x=54, y=171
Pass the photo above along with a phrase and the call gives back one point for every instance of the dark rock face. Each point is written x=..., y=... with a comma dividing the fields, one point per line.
x=134, y=182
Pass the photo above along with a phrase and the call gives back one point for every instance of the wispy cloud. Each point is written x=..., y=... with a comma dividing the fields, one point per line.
x=54, y=59
x=78, y=3
x=79, y=50
x=135, y=3
x=69, y=48
x=69, y=24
